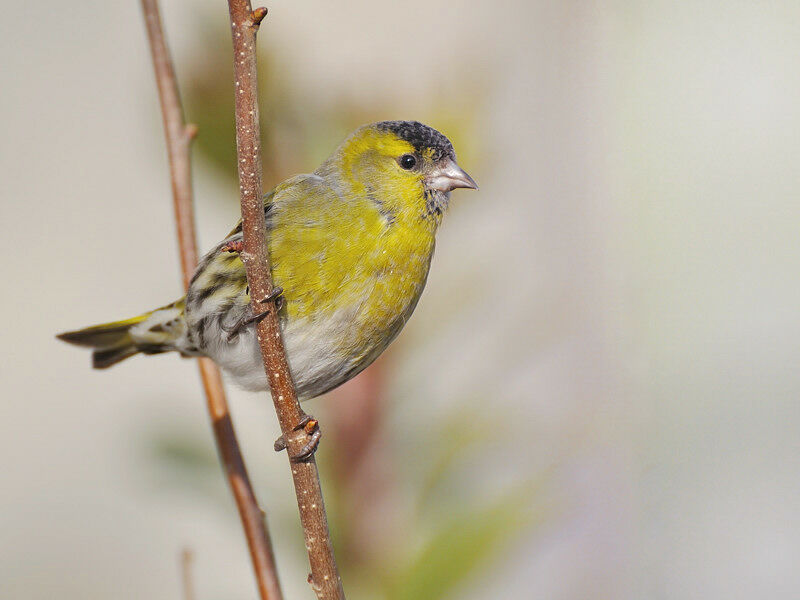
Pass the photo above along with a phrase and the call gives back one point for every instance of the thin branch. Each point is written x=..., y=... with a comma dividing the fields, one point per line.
x=186, y=574
x=324, y=578
x=179, y=136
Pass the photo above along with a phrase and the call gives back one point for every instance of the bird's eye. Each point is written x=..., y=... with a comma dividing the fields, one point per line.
x=407, y=161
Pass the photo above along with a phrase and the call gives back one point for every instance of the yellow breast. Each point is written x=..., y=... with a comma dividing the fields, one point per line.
x=350, y=260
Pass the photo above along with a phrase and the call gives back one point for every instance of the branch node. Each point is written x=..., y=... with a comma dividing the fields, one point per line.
x=190, y=131
x=257, y=16
x=317, y=589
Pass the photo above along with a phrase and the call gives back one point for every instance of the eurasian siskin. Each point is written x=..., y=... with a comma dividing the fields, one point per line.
x=350, y=246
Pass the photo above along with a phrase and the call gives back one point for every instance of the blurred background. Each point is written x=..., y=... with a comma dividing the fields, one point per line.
x=597, y=396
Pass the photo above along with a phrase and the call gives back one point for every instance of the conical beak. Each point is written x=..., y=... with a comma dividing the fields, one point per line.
x=449, y=177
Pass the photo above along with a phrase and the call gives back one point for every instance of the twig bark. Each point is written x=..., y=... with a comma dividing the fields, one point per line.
x=186, y=574
x=179, y=136
x=324, y=577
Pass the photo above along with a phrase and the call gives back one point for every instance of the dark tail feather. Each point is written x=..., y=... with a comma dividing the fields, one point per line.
x=102, y=359
x=112, y=342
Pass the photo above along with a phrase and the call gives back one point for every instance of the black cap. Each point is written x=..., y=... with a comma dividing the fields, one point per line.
x=420, y=136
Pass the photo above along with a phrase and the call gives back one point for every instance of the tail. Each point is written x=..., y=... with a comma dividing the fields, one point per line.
x=151, y=333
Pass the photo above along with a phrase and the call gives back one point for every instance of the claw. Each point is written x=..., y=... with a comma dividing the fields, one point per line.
x=277, y=295
x=243, y=322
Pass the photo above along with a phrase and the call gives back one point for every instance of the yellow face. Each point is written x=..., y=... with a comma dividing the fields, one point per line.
x=371, y=164
x=408, y=178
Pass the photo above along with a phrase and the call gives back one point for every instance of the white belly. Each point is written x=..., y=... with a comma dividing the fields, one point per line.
x=310, y=349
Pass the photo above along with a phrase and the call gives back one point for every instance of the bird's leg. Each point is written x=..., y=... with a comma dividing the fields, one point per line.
x=249, y=317
x=310, y=426
x=233, y=246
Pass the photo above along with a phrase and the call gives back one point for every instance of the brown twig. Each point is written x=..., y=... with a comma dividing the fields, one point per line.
x=179, y=136
x=186, y=574
x=324, y=577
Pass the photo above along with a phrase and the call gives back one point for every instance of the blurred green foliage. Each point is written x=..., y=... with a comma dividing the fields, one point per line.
x=461, y=547
x=455, y=531
x=441, y=550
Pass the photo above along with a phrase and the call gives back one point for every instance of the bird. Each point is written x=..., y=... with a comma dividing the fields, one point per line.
x=350, y=248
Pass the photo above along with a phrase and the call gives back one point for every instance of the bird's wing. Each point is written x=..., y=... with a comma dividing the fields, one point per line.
x=309, y=193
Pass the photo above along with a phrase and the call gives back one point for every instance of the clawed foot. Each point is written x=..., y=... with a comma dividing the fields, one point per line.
x=251, y=317
x=311, y=428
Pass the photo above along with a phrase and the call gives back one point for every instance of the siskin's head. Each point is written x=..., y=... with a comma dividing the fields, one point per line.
x=405, y=166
